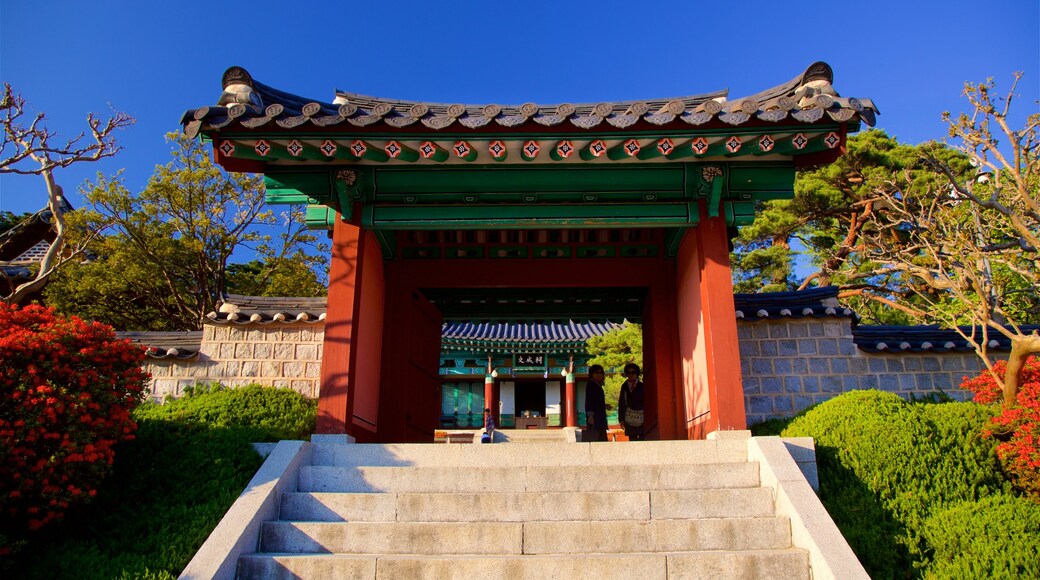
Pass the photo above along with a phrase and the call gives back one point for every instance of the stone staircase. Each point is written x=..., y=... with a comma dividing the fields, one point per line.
x=646, y=510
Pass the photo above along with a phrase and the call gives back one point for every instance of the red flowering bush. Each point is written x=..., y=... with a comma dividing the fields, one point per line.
x=1018, y=427
x=66, y=391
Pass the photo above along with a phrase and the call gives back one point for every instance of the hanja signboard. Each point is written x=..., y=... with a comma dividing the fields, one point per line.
x=523, y=359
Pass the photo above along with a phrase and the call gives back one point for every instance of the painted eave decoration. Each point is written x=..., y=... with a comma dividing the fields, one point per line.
x=256, y=125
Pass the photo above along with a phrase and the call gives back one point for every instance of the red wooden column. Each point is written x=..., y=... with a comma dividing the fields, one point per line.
x=353, y=334
x=489, y=393
x=661, y=368
x=571, y=416
x=711, y=378
x=333, y=400
x=720, y=323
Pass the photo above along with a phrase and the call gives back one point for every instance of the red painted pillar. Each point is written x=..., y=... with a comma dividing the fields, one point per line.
x=718, y=315
x=569, y=401
x=661, y=367
x=489, y=393
x=344, y=293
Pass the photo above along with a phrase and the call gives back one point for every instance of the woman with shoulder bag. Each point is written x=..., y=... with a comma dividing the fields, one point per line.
x=631, y=404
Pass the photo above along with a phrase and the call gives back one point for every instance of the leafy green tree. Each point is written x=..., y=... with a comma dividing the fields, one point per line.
x=286, y=278
x=833, y=208
x=8, y=220
x=614, y=350
x=165, y=261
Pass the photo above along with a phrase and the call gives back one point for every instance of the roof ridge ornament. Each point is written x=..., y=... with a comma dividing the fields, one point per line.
x=818, y=71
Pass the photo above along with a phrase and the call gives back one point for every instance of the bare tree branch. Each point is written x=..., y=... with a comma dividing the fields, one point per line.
x=27, y=150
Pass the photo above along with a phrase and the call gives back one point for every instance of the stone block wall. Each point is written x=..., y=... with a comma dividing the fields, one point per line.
x=787, y=364
x=280, y=355
x=790, y=364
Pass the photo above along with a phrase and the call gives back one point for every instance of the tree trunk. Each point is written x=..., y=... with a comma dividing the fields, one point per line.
x=1021, y=349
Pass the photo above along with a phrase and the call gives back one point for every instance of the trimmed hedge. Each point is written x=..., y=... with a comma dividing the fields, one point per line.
x=279, y=413
x=995, y=537
x=893, y=472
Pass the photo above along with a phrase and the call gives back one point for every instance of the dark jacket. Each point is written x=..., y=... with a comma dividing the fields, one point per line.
x=630, y=399
x=596, y=405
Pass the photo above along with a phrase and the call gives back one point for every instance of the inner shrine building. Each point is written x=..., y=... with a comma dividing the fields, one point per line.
x=445, y=216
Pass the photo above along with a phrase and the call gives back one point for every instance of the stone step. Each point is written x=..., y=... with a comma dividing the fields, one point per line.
x=531, y=454
x=527, y=506
x=505, y=538
x=751, y=565
x=515, y=479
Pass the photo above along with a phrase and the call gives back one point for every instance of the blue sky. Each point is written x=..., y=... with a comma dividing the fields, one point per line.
x=156, y=60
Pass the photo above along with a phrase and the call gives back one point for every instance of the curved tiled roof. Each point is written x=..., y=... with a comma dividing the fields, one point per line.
x=240, y=309
x=161, y=345
x=462, y=335
x=815, y=302
x=878, y=339
x=807, y=98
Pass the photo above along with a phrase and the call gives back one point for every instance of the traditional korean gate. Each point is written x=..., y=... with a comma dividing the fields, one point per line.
x=679, y=173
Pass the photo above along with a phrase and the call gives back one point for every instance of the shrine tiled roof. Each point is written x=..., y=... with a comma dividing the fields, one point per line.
x=883, y=339
x=814, y=303
x=465, y=335
x=250, y=104
x=180, y=345
x=240, y=309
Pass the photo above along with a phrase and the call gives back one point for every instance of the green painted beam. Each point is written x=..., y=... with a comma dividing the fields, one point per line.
x=527, y=198
x=739, y=213
x=761, y=182
x=542, y=216
x=528, y=179
x=291, y=187
x=319, y=217
x=717, y=186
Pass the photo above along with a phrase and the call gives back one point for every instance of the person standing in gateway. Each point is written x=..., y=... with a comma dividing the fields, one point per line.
x=489, y=426
x=630, y=403
x=595, y=406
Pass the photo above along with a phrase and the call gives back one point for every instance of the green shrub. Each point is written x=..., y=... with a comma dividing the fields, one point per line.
x=996, y=537
x=886, y=465
x=279, y=413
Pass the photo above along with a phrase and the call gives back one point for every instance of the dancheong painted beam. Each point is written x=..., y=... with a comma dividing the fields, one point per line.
x=419, y=165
